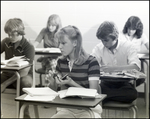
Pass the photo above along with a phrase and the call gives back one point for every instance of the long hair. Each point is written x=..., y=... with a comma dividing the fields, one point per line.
x=14, y=25
x=135, y=23
x=106, y=29
x=73, y=33
x=54, y=19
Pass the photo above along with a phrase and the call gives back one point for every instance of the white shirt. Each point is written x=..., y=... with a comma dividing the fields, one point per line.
x=138, y=42
x=124, y=54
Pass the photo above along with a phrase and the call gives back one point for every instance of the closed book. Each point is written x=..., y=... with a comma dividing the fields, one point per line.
x=41, y=91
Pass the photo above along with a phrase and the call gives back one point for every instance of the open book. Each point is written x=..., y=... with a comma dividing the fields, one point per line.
x=16, y=61
x=50, y=50
x=80, y=92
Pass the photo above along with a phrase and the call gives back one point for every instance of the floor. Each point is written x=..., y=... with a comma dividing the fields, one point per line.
x=8, y=106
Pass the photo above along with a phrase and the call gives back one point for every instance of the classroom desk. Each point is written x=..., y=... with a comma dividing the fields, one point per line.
x=16, y=71
x=144, y=59
x=76, y=103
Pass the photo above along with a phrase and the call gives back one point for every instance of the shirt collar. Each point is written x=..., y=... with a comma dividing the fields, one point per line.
x=18, y=45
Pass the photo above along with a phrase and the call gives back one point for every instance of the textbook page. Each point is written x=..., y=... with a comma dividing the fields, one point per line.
x=18, y=63
x=15, y=58
x=76, y=91
x=41, y=91
x=62, y=94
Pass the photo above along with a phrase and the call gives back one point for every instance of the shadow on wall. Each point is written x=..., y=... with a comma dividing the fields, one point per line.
x=89, y=39
x=30, y=33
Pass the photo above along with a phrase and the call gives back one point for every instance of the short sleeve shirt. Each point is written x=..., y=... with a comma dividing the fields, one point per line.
x=80, y=73
x=48, y=38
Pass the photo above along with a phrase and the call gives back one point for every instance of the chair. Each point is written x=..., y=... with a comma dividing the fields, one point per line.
x=40, y=71
x=115, y=105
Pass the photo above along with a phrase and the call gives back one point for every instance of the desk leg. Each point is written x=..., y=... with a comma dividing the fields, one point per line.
x=147, y=90
x=33, y=75
x=18, y=93
x=22, y=111
x=36, y=111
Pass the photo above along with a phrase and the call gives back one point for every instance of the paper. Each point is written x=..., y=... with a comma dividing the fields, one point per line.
x=41, y=91
x=11, y=59
x=50, y=50
x=76, y=91
x=39, y=98
x=16, y=61
x=17, y=64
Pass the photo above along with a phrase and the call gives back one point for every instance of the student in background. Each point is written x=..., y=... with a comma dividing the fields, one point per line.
x=82, y=69
x=115, y=54
x=17, y=45
x=47, y=36
x=133, y=31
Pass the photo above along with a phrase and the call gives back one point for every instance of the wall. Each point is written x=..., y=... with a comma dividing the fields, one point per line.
x=86, y=15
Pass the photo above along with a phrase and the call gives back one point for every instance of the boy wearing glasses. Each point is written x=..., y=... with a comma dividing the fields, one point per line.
x=17, y=45
x=115, y=55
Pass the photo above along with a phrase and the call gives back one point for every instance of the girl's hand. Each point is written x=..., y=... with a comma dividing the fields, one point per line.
x=68, y=81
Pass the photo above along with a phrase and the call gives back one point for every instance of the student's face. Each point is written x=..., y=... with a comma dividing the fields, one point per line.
x=108, y=42
x=52, y=27
x=14, y=36
x=131, y=32
x=66, y=46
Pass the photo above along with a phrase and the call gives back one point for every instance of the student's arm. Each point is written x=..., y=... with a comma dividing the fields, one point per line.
x=94, y=83
x=2, y=46
x=145, y=41
x=35, y=44
x=147, y=46
x=39, y=38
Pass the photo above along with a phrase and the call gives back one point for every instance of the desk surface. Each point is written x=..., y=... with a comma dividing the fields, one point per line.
x=48, y=51
x=6, y=68
x=75, y=102
x=143, y=56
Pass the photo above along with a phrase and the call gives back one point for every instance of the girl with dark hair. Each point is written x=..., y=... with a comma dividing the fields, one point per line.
x=133, y=31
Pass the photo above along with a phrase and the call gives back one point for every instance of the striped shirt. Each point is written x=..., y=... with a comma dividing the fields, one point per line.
x=80, y=73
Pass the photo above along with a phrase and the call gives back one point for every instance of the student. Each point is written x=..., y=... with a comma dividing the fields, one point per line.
x=133, y=31
x=47, y=36
x=115, y=54
x=17, y=45
x=80, y=67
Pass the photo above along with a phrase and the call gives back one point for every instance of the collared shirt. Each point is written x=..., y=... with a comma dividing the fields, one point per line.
x=20, y=48
x=124, y=54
